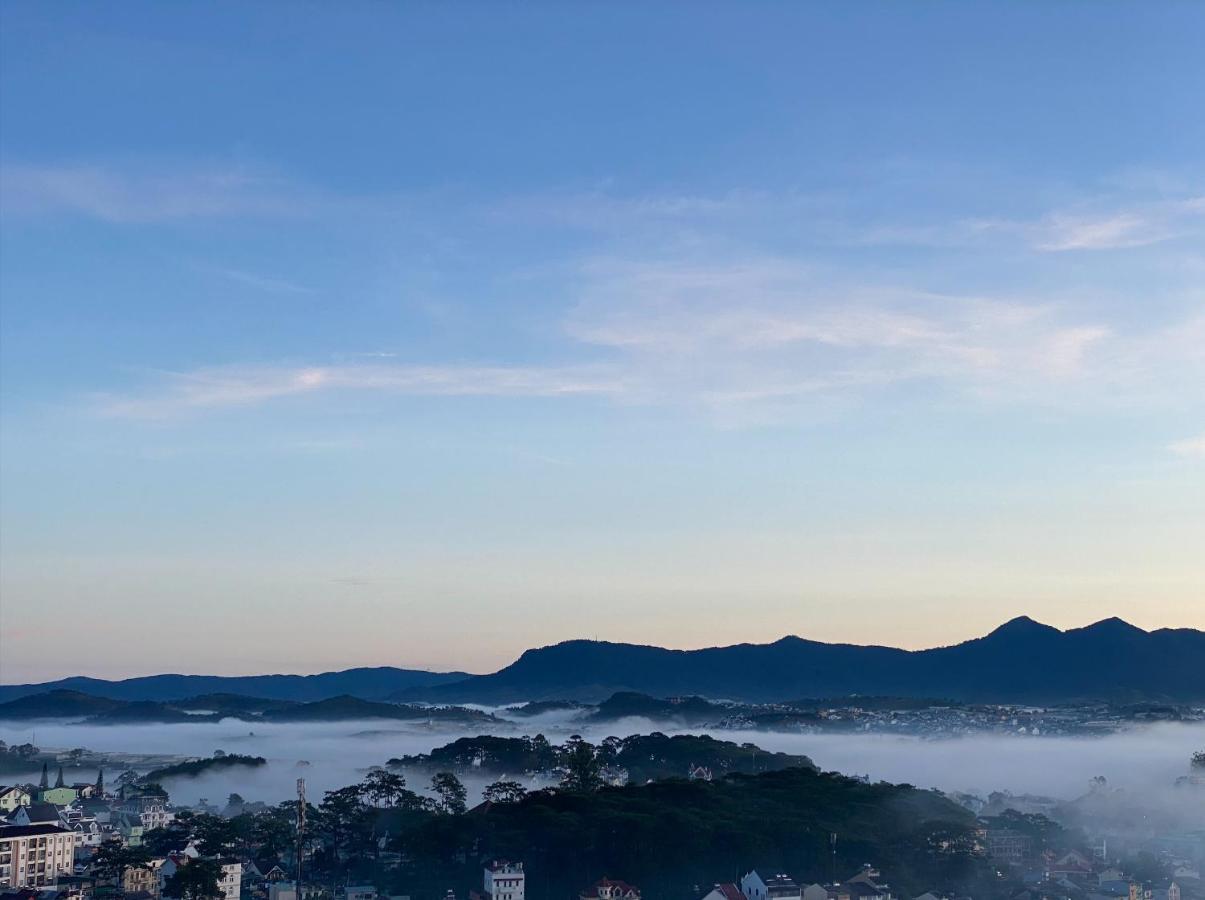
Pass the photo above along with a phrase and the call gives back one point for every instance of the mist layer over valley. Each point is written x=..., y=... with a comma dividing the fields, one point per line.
x=1140, y=764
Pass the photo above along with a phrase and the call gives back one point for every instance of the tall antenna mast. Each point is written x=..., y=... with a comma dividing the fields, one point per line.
x=832, y=842
x=300, y=830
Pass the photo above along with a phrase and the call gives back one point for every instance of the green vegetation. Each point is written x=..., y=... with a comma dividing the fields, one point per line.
x=195, y=767
x=640, y=757
x=669, y=835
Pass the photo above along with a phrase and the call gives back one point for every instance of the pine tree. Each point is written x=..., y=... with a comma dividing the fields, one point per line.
x=100, y=783
x=58, y=782
x=45, y=782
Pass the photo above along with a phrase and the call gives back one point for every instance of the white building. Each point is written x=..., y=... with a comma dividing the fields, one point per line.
x=12, y=797
x=777, y=887
x=231, y=882
x=505, y=881
x=35, y=855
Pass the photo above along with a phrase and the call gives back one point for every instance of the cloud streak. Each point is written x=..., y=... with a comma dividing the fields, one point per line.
x=217, y=388
x=758, y=337
x=124, y=197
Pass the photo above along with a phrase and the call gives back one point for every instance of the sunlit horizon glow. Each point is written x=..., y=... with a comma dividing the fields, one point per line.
x=535, y=324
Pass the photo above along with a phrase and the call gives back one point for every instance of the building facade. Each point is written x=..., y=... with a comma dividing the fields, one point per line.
x=34, y=856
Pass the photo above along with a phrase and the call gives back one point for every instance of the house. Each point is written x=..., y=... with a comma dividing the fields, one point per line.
x=140, y=880
x=502, y=880
x=13, y=796
x=264, y=871
x=231, y=882
x=358, y=892
x=150, y=807
x=777, y=887
x=34, y=814
x=35, y=855
x=815, y=892
x=60, y=794
x=607, y=889
x=727, y=891
x=868, y=885
x=129, y=827
x=1070, y=864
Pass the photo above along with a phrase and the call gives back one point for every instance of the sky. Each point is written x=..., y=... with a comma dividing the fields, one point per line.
x=421, y=334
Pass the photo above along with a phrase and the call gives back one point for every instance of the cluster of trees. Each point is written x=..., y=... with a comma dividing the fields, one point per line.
x=194, y=767
x=639, y=758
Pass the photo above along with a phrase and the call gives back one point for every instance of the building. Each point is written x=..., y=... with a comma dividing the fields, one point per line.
x=231, y=882
x=34, y=814
x=140, y=880
x=727, y=891
x=1008, y=846
x=60, y=794
x=868, y=885
x=607, y=889
x=777, y=887
x=151, y=808
x=358, y=892
x=35, y=855
x=504, y=881
x=129, y=827
x=12, y=797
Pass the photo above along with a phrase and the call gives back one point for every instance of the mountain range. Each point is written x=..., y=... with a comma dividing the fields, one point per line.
x=366, y=683
x=1022, y=661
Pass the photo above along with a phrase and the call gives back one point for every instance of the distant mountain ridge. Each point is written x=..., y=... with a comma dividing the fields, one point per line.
x=1021, y=661
x=366, y=683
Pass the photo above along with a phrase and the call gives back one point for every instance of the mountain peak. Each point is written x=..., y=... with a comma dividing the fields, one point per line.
x=1023, y=626
x=1112, y=626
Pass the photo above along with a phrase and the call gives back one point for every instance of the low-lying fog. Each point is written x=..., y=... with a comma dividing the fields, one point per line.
x=1142, y=760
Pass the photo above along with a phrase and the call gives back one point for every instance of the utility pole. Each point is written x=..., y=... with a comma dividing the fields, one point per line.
x=832, y=843
x=300, y=830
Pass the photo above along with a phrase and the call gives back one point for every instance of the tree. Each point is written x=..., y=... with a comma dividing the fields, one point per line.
x=383, y=788
x=1198, y=761
x=215, y=836
x=343, y=821
x=273, y=830
x=504, y=792
x=581, y=767
x=198, y=880
x=450, y=793
x=112, y=860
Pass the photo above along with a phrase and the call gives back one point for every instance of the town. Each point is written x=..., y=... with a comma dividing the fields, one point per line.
x=378, y=839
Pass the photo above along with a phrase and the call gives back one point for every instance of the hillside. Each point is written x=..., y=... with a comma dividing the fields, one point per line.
x=670, y=834
x=58, y=704
x=1022, y=661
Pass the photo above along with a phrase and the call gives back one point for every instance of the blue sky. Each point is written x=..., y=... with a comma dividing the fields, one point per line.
x=422, y=334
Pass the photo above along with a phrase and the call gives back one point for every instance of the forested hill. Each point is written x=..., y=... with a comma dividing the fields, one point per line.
x=667, y=836
x=1021, y=661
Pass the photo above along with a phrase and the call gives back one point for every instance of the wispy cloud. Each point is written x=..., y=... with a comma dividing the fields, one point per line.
x=1099, y=227
x=261, y=282
x=133, y=196
x=1191, y=447
x=767, y=333
x=235, y=386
